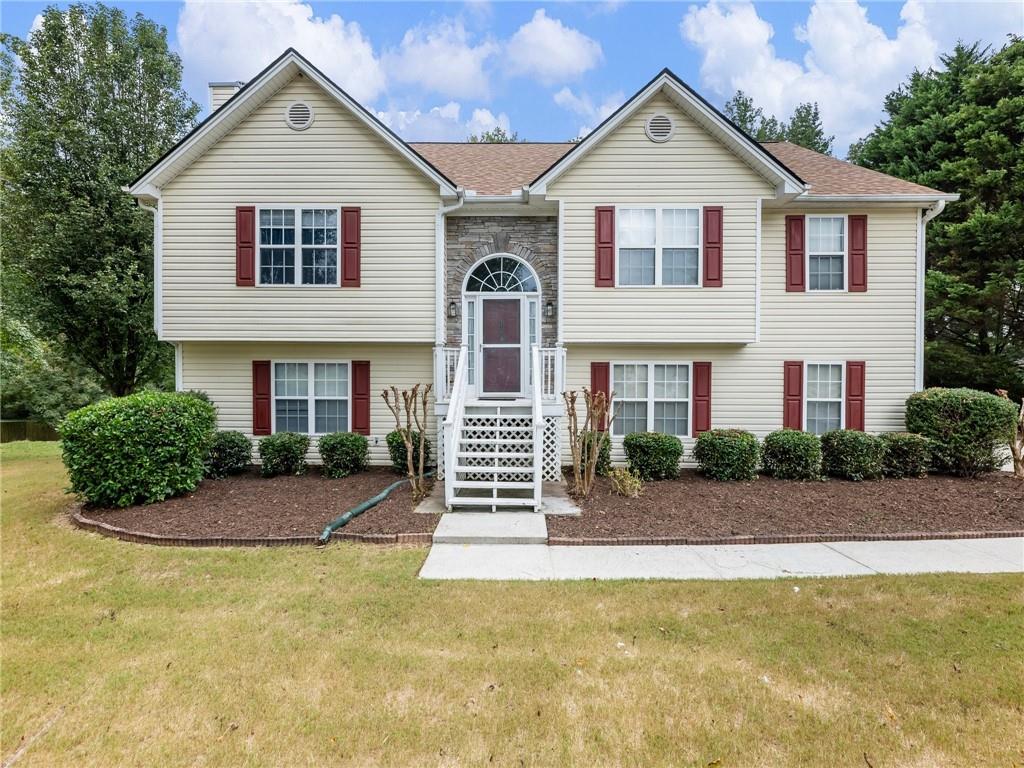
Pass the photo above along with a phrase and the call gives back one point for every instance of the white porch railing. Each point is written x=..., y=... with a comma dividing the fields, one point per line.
x=537, y=390
x=452, y=426
x=446, y=363
x=552, y=372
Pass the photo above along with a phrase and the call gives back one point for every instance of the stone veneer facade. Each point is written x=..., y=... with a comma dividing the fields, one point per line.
x=534, y=239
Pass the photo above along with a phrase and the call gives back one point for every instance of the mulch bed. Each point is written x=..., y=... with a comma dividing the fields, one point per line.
x=694, y=507
x=249, y=507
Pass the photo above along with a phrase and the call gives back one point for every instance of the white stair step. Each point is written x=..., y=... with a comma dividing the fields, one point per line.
x=493, y=455
x=497, y=440
x=500, y=485
x=527, y=428
x=496, y=470
x=491, y=501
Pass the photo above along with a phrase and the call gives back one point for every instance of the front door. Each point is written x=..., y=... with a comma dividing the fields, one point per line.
x=501, y=346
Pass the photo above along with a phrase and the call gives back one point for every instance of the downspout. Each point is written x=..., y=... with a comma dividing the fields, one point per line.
x=158, y=319
x=927, y=215
x=440, y=268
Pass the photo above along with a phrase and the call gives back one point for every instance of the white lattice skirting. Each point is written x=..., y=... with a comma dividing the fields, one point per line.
x=552, y=449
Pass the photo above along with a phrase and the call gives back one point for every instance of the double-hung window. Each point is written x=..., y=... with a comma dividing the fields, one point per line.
x=658, y=246
x=311, y=397
x=824, y=397
x=298, y=246
x=651, y=397
x=826, y=253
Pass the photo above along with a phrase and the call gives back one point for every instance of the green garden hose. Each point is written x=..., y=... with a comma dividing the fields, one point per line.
x=356, y=511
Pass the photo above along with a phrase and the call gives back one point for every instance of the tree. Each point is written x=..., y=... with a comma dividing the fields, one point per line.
x=94, y=99
x=806, y=130
x=961, y=129
x=804, y=127
x=496, y=135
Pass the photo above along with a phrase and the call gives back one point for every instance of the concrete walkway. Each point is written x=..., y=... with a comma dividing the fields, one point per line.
x=738, y=561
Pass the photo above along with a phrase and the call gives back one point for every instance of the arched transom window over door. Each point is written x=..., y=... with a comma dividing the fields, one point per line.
x=502, y=274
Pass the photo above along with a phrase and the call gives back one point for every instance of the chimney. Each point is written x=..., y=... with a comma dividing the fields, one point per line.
x=221, y=92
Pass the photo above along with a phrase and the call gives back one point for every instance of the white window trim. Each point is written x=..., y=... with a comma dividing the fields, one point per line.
x=651, y=399
x=298, y=244
x=658, y=243
x=842, y=390
x=845, y=254
x=310, y=397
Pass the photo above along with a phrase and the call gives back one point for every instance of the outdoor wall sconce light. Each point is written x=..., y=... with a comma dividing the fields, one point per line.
x=453, y=309
x=549, y=310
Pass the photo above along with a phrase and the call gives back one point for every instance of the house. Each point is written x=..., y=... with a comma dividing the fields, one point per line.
x=306, y=258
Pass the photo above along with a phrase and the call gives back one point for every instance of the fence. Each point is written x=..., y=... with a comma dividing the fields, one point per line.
x=26, y=430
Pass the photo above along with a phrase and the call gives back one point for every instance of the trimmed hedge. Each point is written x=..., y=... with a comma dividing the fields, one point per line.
x=144, y=447
x=396, y=449
x=230, y=454
x=967, y=428
x=604, y=453
x=905, y=455
x=789, y=454
x=283, y=453
x=852, y=455
x=344, y=453
x=653, y=455
x=727, y=454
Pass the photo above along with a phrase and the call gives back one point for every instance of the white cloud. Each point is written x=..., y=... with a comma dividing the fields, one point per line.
x=440, y=58
x=849, y=66
x=989, y=21
x=583, y=105
x=234, y=41
x=550, y=51
x=442, y=123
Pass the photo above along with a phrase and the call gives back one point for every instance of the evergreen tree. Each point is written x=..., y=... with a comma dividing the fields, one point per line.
x=90, y=100
x=804, y=127
x=496, y=135
x=806, y=130
x=961, y=129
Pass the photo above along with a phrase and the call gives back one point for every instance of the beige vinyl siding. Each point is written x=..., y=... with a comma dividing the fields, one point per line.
x=224, y=371
x=336, y=161
x=877, y=327
x=628, y=169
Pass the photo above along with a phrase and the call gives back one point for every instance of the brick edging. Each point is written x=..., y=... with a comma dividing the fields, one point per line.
x=814, y=538
x=141, y=537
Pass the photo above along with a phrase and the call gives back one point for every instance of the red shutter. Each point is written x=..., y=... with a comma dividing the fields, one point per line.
x=855, y=394
x=245, y=245
x=604, y=246
x=793, y=395
x=713, y=246
x=858, y=253
x=701, y=397
x=361, y=397
x=261, y=397
x=600, y=381
x=795, y=253
x=351, y=246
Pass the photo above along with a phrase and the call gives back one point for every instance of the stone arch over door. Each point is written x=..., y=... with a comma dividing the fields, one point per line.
x=470, y=239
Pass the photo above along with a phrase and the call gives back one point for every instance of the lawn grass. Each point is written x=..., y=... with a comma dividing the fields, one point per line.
x=153, y=656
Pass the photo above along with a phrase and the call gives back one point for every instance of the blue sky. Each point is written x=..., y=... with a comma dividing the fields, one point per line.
x=438, y=71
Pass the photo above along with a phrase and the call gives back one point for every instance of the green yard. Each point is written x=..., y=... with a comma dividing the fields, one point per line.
x=146, y=656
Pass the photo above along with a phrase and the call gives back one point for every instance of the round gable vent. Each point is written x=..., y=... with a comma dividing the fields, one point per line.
x=299, y=116
x=659, y=128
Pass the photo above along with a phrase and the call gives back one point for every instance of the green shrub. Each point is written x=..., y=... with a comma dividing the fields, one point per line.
x=852, y=455
x=198, y=394
x=283, y=453
x=727, y=454
x=396, y=449
x=230, y=454
x=967, y=428
x=144, y=447
x=789, y=454
x=906, y=454
x=344, y=453
x=604, y=453
x=653, y=455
